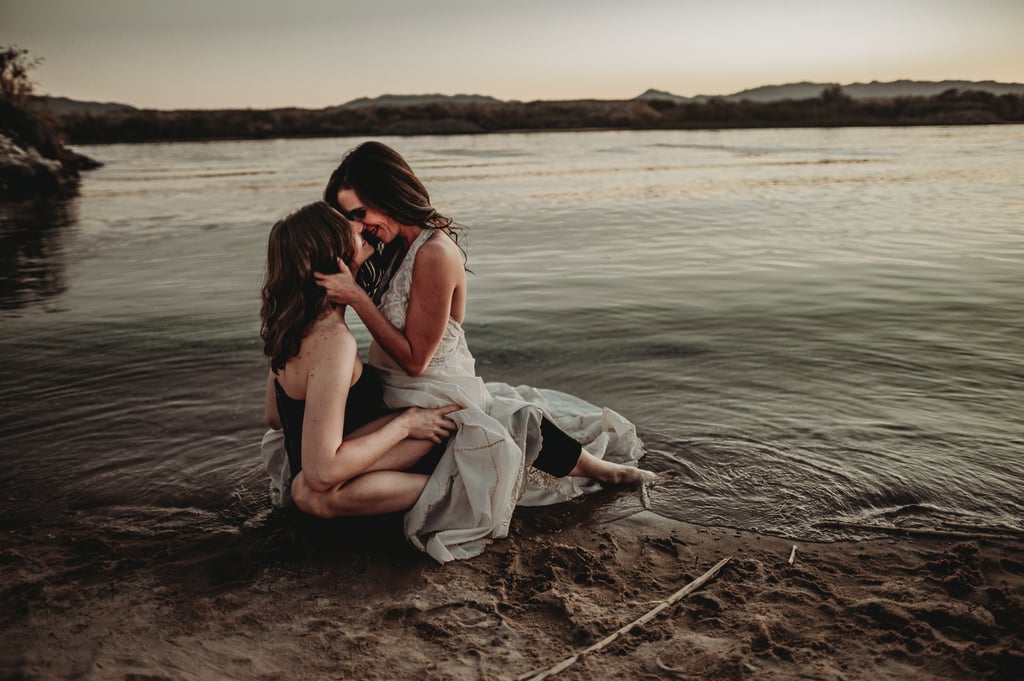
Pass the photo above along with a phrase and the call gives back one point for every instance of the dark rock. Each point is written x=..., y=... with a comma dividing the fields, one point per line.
x=27, y=174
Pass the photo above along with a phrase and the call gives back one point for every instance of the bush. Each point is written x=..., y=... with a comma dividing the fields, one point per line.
x=51, y=168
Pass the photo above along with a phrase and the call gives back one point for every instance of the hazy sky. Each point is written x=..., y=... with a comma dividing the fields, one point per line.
x=313, y=53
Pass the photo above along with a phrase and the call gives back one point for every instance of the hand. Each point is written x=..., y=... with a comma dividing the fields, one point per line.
x=341, y=288
x=430, y=424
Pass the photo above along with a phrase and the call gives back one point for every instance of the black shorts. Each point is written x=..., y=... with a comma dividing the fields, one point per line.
x=558, y=453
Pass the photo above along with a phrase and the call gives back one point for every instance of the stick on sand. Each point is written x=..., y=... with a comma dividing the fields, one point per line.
x=646, y=617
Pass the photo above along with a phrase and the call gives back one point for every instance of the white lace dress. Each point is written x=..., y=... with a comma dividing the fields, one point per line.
x=485, y=471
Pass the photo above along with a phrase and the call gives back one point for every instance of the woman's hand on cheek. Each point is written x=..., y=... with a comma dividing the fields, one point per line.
x=341, y=288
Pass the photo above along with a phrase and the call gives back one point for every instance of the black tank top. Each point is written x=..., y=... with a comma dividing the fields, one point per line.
x=365, y=403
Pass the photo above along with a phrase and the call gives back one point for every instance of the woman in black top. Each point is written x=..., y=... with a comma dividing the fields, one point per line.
x=345, y=458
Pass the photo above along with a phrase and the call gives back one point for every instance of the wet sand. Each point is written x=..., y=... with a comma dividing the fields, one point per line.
x=284, y=597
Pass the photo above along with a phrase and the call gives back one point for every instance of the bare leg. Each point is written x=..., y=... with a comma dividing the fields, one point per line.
x=368, y=494
x=589, y=466
x=384, y=487
x=403, y=455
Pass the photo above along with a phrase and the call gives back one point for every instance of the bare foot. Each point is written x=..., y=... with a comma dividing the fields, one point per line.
x=639, y=476
x=589, y=466
x=618, y=474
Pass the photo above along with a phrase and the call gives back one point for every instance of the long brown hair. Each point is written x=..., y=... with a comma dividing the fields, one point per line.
x=307, y=241
x=383, y=180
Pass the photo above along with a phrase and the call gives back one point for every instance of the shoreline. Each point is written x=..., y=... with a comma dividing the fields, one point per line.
x=286, y=597
x=831, y=108
x=531, y=131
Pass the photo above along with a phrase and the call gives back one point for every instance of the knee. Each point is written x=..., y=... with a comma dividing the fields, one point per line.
x=308, y=500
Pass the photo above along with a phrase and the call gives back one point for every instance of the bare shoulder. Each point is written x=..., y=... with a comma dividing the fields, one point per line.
x=328, y=336
x=329, y=349
x=440, y=252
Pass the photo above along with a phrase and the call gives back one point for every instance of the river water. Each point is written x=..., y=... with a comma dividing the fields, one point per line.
x=814, y=329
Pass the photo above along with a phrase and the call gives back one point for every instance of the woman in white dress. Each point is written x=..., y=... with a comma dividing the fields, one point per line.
x=513, y=445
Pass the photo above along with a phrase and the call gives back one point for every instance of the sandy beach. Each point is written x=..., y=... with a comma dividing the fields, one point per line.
x=286, y=597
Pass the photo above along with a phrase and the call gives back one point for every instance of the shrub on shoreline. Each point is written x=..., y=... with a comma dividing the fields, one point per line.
x=34, y=161
x=832, y=108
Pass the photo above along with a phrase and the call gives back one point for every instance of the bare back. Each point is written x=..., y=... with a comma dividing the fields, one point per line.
x=325, y=338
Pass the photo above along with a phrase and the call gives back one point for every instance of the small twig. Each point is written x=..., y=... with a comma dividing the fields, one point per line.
x=646, y=617
x=665, y=668
x=792, y=555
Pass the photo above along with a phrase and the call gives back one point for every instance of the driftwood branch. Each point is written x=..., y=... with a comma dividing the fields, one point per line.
x=643, y=619
x=645, y=497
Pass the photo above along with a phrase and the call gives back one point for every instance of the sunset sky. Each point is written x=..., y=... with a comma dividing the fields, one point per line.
x=171, y=54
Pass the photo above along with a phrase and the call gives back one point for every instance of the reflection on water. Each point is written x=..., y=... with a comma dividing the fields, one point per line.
x=32, y=237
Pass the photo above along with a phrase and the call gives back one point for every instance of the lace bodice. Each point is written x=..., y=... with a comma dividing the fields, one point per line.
x=453, y=350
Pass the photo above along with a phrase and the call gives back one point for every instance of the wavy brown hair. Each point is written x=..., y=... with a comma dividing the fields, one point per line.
x=383, y=180
x=307, y=241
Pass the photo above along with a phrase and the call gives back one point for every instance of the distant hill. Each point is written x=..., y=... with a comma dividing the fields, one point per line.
x=412, y=100
x=872, y=90
x=774, y=93
x=917, y=88
x=793, y=105
x=662, y=96
x=62, y=105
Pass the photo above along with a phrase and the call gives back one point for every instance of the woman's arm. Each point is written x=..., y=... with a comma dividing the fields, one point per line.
x=437, y=273
x=328, y=459
x=270, y=414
